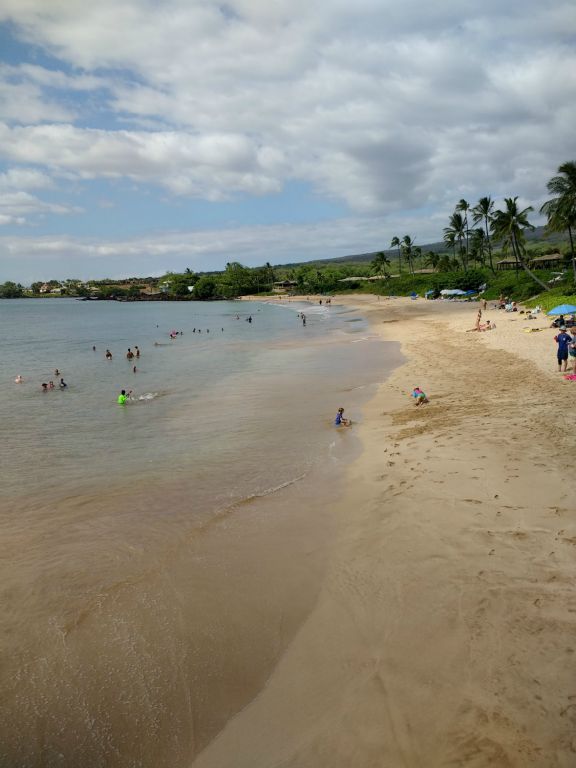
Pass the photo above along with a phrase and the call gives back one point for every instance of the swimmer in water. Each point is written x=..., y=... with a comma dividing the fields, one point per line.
x=18, y=379
x=50, y=385
x=56, y=372
x=340, y=421
x=108, y=355
x=44, y=387
x=137, y=351
x=134, y=369
x=129, y=354
x=93, y=348
x=62, y=384
x=122, y=398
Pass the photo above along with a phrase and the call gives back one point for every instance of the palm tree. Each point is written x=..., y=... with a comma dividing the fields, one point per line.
x=463, y=206
x=407, y=247
x=482, y=212
x=445, y=264
x=380, y=264
x=417, y=254
x=395, y=243
x=508, y=226
x=432, y=260
x=561, y=209
x=450, y=239
x=478, y=246
x=458, y=228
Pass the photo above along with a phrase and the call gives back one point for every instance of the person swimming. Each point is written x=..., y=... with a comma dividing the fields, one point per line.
x=122, y=398
x=108, y=355
x=129, y=354
x=137, y=350
x=44, y=387
x=56, y=372
x=50, y=385
x=62, y=384
x=18, y=379
x=340, y=421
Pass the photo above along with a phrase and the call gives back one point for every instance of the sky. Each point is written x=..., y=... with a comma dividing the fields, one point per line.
x=141, y=136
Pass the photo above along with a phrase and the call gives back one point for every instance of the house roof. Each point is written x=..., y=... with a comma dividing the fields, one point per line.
x=549, y=257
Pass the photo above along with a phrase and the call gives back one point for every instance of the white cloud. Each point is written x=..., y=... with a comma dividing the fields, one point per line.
x=24, y=178
x=397, y=109
x=19, y=207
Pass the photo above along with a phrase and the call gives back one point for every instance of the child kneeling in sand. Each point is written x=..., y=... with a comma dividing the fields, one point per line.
x=340, y=421
x=419, y=396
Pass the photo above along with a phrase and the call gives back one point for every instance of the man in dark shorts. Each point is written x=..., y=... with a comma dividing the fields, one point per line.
x=563, y=339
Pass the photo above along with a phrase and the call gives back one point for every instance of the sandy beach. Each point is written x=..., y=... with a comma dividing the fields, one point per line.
x=443, y=630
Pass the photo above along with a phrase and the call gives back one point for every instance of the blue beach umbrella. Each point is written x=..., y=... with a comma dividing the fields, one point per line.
x=563, y=309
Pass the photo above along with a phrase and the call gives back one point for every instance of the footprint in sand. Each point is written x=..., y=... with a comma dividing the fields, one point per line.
x=492, y=552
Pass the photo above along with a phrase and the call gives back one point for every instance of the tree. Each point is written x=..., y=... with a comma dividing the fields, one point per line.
x=457, y=228
x=395, y=243
x=450, y=240
x=478, y=246
x=509, y=226
x=380, y=264
x=561, y=209
x=417, y=254
x=432, y=260
x=445, y=263
x=10, y=290
x=482, y=212
x=205, y=288
x=407, y=248
x=463, y=207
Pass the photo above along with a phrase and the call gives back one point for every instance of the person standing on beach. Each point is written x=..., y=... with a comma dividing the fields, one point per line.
x=563, y=339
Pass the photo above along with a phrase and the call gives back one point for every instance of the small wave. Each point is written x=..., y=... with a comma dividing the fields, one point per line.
x=145, y=396
x=267, y=491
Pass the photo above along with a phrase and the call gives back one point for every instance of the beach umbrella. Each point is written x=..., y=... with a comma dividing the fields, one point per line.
x=563, y=309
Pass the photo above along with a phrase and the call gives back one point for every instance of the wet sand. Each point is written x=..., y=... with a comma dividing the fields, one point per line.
x=443, y=630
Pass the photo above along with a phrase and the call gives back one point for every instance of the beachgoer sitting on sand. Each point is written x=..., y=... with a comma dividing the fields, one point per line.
x=572, y=351
x=340, y=421
x=419, y=396
x=563, y=339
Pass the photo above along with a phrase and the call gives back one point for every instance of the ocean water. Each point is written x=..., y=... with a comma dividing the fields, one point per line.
x=122, y=525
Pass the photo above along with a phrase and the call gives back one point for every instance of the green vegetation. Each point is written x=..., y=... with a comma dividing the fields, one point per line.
x=482, y=247
x=11, y=290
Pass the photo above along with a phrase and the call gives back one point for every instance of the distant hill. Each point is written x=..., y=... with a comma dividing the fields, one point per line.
x=539, y=233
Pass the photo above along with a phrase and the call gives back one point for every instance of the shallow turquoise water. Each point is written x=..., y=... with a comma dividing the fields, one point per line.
x=256, y=397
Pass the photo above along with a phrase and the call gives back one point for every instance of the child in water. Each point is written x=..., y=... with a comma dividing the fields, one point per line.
x=340, y=421
x=419, y=396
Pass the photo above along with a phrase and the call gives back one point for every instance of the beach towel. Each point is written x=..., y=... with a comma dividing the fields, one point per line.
x=570, y=377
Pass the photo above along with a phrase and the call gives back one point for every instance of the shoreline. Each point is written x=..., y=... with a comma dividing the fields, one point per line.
x=443, y=630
